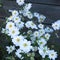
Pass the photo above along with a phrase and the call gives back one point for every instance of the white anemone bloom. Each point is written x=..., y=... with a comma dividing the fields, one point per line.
x=17, y=19
x=56, y=25
x=41, y=26
x=41, y=18
x=43, y=51
x=10, y=48
x=27, y=6
x=10, y=17
x=20, y=2
x=36, y=14
x=52, y=54
x=18, y=53
x=47, y=36
x=26, y=46
x=41, y=32
x=28, y=14
x=36, y=34
x=30, y=24
x=10, y=25
x=18, y=40
x=42, y=42
x=20, y=25
x=15, y=13
x=13, y=32
x=27, y=24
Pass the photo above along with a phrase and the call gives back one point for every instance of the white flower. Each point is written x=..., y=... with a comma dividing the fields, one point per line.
x=32, y=39
x=20, y=2
x=36, y=14
x=48, y=29
x=47, y=36
x=27, y=7
x=41, y=18
x=36, y=34
x=10, y=18
x=6, y=31
x=10, y=25
x=18, y=53
x=18, y=40
x=3, y=30
x=58, y=22
x=15, y=13
x=20, y=11
x=20, y=25
x=17, y=19
x=13, y=32
x=56, y=25
x=43, y=51
x=10, y=48
x=30, y=24
x=28, y=14
x=24, y=13
x=27, y=24
x=42, y=42
x=26, y=46
x=41, y=26
x=52, y=54
x=41, y=32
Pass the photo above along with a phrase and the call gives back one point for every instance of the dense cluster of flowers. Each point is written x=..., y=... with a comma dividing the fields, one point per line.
x=28, y=35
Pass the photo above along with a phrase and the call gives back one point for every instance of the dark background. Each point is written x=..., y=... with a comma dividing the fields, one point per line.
x=49, y=8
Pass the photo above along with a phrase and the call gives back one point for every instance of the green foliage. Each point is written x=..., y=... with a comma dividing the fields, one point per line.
x=0, y=3
x=10, y=58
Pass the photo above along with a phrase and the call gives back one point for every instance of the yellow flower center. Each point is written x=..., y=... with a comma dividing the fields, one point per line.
x=10, y=48
x=16, y=18
x=14, y=12
x=32, y=23
x=41, y=32
x=10, y=26
x=36, y=33
x=18, y=39
x=47, y=36
x=56, y=25
x=24, y=44
x=52, y=54
x=41, y=19
x=41, y=42
x=13, y=31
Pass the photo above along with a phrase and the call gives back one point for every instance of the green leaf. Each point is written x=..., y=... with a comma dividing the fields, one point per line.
x=31, y=58
x=10, y=58
x=46, y=58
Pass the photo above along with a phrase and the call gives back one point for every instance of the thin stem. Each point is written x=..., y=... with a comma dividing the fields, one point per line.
x=57, y=35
